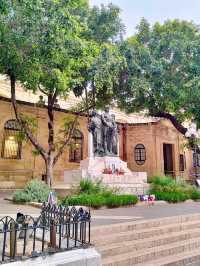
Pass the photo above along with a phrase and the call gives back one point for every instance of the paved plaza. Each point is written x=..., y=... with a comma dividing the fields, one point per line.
x=111, y=216
x=143, y=212
x=10, y=209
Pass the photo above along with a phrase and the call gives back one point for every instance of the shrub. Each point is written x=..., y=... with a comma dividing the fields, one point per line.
x=172, y=197
x=95, y=201
x=166, y=188
x=162, y=180
x=121, y=200
x=87, y=186
x=35, y=191
x=21, y=197
x=95, y=194
x=194, y=193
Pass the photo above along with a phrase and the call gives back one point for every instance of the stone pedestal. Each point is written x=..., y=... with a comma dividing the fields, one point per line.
x=114, y=172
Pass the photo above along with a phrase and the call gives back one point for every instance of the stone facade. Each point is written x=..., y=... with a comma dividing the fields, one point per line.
x=29, y=166
x=16, y=172
x=153, y=136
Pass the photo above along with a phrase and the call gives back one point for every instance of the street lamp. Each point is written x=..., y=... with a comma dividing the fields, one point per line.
x=193, y=135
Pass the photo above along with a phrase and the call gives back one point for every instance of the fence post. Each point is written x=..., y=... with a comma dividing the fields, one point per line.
x=52, y=234
x=13, y=242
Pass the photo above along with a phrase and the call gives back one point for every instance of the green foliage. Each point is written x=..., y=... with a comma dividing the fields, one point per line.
x=21, y=197
x=162, y=70
x=121, y=200
x=98, y=200
x=104, y=23
x=195, y=194
x=60, y=46
x=95, y=194
x=166, y=188
x=35, y=191
x=172, y=197
x=162, y=180
x=94, y=201
x=87, y=186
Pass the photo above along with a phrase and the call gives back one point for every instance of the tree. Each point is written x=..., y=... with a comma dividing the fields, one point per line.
x=99, y=72
x=162, y=73
x=39, y=43
x=52, y=47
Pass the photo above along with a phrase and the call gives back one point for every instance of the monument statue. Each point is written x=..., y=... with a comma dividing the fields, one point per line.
x=105, y=133
x=114, y=136
x=95, y=127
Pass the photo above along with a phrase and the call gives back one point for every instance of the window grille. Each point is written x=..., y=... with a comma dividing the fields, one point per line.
x=196, y=160
x=181, y=163
x=140, y=154
x=11, y=145
x=76, y=147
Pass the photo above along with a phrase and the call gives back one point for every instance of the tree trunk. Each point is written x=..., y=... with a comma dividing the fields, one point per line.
x=49, y=170
x=28, y=133
x=50, y=157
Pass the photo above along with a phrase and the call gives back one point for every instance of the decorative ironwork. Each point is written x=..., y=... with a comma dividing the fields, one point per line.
x=76, y=147
x=181, y=162
x=12, y=124
x=56, y=229
x=140, y=154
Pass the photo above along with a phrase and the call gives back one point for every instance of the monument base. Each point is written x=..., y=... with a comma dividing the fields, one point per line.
x=113, y=172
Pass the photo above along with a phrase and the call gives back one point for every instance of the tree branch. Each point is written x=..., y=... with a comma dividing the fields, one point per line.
x=21, y=122
x=61, y=150
x=174, y=121
x=43, y=91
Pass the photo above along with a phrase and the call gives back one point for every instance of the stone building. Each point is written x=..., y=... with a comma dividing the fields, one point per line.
x=148, y=144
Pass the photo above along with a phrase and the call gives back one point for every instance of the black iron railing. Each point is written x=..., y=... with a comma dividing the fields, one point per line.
x=56, y=229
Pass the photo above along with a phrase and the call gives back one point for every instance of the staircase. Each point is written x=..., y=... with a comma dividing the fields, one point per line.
x=171, y=241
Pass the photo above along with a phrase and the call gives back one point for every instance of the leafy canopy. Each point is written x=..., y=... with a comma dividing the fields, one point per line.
x=41, y=41
x=162, y=73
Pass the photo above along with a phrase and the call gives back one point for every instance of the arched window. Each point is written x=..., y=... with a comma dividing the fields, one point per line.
x=11, y=145
x=140, y=154
x=76, y=147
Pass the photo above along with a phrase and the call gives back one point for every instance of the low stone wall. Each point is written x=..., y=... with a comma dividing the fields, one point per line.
x=79, y=257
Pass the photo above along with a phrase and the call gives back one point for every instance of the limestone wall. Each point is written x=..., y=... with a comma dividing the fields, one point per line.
x=153, y=136
x=29, y=163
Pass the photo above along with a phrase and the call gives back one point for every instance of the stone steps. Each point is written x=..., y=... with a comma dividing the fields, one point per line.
x=128, y=246
x=134, y=258
x=145, y=233
x=190, y=258
x=136, y=225
x=152, y=242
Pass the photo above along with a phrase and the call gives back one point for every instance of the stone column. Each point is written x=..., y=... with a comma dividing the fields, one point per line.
x=90, y=145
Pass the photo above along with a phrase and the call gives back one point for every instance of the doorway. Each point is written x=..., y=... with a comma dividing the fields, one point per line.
x=168, y=159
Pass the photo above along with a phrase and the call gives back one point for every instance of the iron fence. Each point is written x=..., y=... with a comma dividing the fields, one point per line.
x=56, y=229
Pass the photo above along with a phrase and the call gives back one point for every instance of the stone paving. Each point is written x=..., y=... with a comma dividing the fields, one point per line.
x=10, y=209
x=143, y=212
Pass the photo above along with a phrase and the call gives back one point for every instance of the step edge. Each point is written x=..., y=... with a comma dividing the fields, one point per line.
x=151, y=250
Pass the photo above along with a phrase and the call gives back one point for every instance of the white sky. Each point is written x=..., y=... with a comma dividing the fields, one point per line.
x=154, y=10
